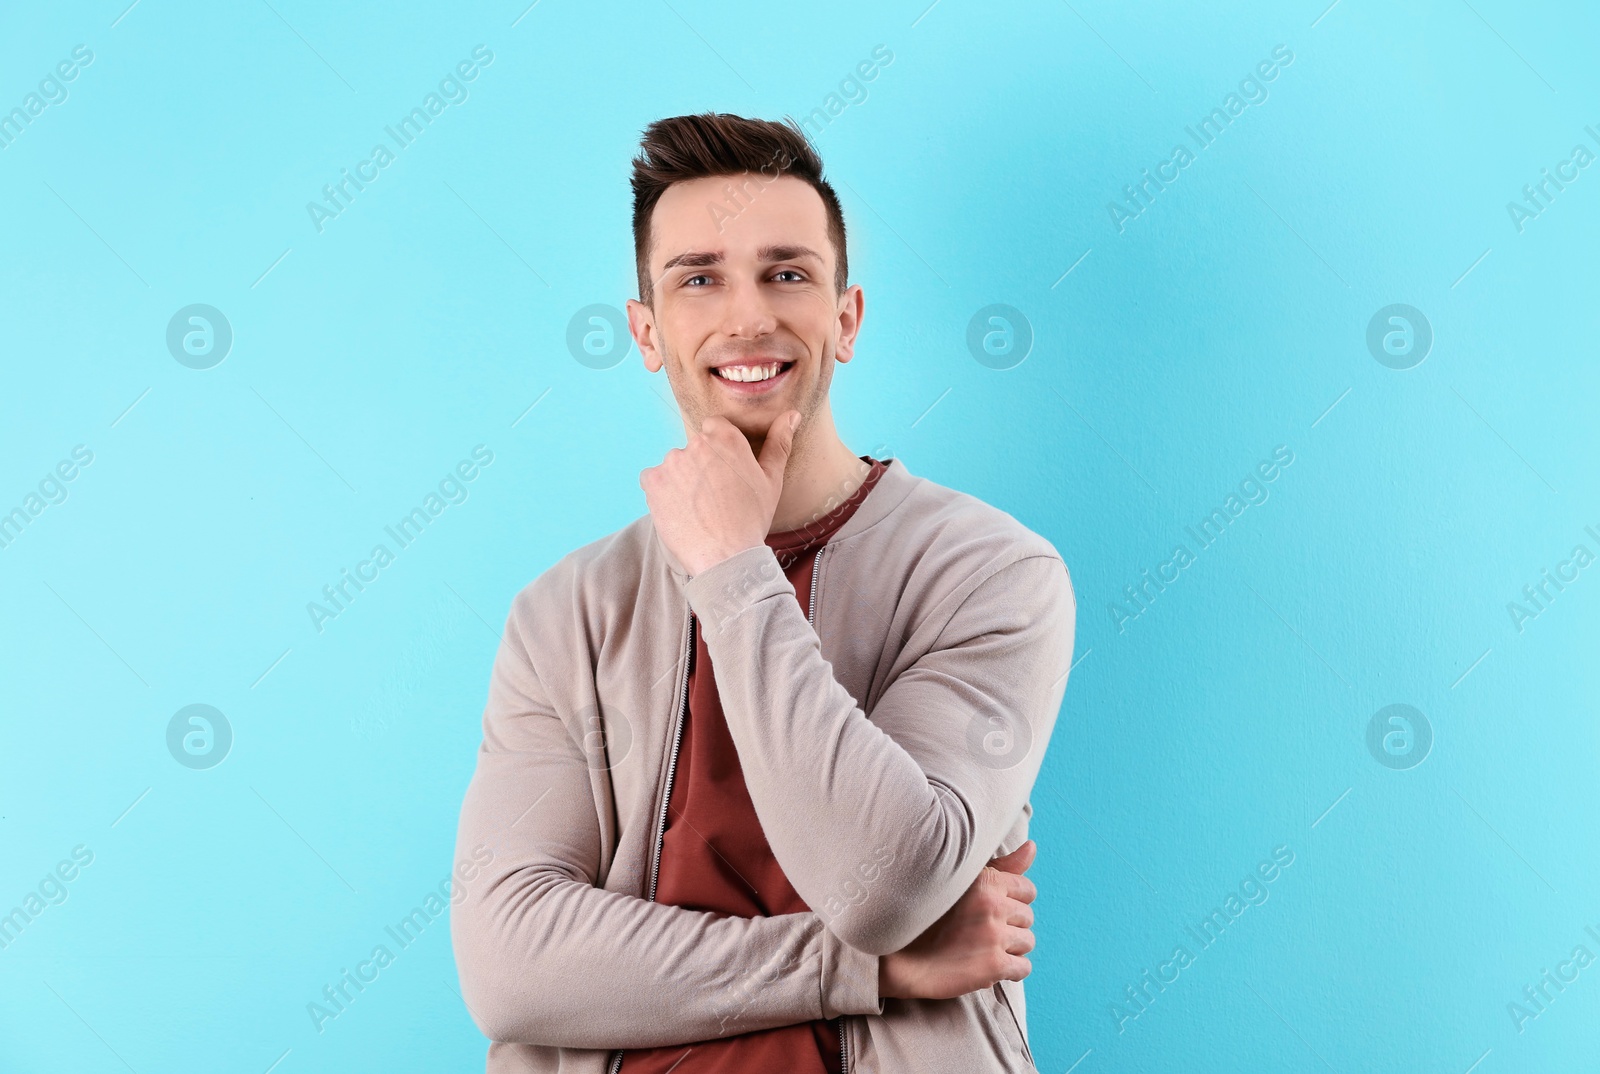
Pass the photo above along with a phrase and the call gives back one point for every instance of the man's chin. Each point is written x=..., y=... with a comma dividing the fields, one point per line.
x=754, y=427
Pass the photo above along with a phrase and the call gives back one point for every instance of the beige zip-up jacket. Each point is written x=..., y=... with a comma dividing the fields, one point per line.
x=889, y=740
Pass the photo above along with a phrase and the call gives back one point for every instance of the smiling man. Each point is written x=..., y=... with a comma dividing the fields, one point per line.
x=755, y=768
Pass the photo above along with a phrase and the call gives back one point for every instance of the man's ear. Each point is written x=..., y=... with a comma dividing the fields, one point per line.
x=642, y=327
x=852, y=307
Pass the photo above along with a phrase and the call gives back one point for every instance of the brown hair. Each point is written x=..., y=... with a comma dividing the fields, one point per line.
x=680, y=148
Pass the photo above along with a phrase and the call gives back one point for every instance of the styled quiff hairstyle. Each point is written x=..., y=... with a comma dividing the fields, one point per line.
x=715, y=143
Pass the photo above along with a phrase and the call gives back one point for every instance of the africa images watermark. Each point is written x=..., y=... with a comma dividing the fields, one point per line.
x=337, y=997
x=737, y=199
x=848, y=486
x=1139, y=197
x=1567, y=171
x=52, y=91
x=452, y=91
x=1138, y=997
x=50, y=891
x=1536, y=998
x=1538, y=596
x=789, y=961
x=854, y=91
x=52, y=490
x=405, y=531
x=1252, y=492
x=855, y=888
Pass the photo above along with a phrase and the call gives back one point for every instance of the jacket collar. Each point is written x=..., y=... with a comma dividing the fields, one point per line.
x=890, y=491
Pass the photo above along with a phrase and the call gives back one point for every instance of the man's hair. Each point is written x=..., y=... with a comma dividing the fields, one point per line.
x=680, y=148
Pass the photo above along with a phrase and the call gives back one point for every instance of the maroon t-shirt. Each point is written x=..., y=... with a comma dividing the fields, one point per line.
x=714, y=855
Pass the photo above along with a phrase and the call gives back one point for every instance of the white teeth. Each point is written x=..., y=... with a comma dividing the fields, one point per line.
x=746, y=373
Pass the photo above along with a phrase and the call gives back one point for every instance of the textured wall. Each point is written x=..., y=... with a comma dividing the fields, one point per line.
x=1121, y=266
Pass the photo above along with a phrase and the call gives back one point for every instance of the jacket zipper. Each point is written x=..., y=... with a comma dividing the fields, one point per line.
x=666, y=793
x=1005, y=999
x=672, y=763
x=811, y=617
x=811, y=604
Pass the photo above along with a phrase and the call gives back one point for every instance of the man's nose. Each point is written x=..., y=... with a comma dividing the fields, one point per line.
x=748, y=314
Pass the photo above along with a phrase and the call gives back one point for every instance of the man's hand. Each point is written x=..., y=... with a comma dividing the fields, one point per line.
x=714, y=498
x=981, y=940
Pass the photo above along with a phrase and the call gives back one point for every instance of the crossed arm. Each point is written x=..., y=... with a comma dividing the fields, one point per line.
x=546, y=957
x=937, y=775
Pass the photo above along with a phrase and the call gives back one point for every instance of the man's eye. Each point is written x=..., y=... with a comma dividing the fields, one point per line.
x=691, y=279
x=790, y=272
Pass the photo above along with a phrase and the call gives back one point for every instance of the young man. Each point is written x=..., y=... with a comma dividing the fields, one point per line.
x=753, y=787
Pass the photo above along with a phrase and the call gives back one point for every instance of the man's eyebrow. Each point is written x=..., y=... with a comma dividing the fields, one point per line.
x=693, y=259
x=702, y=258
x=788, y=252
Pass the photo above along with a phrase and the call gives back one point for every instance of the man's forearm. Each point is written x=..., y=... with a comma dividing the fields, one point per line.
x=658, y=976
x=545, y=957
x=908, y=783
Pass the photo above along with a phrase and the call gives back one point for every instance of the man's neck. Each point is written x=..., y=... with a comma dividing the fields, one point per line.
x=821, y=474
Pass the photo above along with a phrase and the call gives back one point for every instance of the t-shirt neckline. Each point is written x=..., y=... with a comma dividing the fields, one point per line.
x=803, y=538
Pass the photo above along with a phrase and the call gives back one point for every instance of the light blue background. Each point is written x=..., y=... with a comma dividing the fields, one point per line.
x=1227, y=719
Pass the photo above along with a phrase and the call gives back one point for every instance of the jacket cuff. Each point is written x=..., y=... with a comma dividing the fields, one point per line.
x=849, y=979
x=720, y=594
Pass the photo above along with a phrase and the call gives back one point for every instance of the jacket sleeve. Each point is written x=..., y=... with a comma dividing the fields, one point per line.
x=881, y=823
x=546, y=957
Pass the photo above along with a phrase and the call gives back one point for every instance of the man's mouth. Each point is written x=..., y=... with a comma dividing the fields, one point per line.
x=752, y=376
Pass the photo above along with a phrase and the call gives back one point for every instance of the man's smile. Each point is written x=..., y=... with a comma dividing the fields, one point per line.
x=747, y=378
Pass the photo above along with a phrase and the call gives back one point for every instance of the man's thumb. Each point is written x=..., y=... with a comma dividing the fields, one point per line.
x=1018, y=860
x=780, y=438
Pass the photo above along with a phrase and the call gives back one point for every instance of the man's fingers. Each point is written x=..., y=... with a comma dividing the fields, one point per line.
x=716, y=424
x=1015, y=968
x=777, y=445
x=1013, y=886
x=1019, y=941
x=1019, y=914
x=1018, y=860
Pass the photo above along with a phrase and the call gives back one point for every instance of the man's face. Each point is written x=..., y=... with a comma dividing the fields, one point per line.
x=741, y=286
